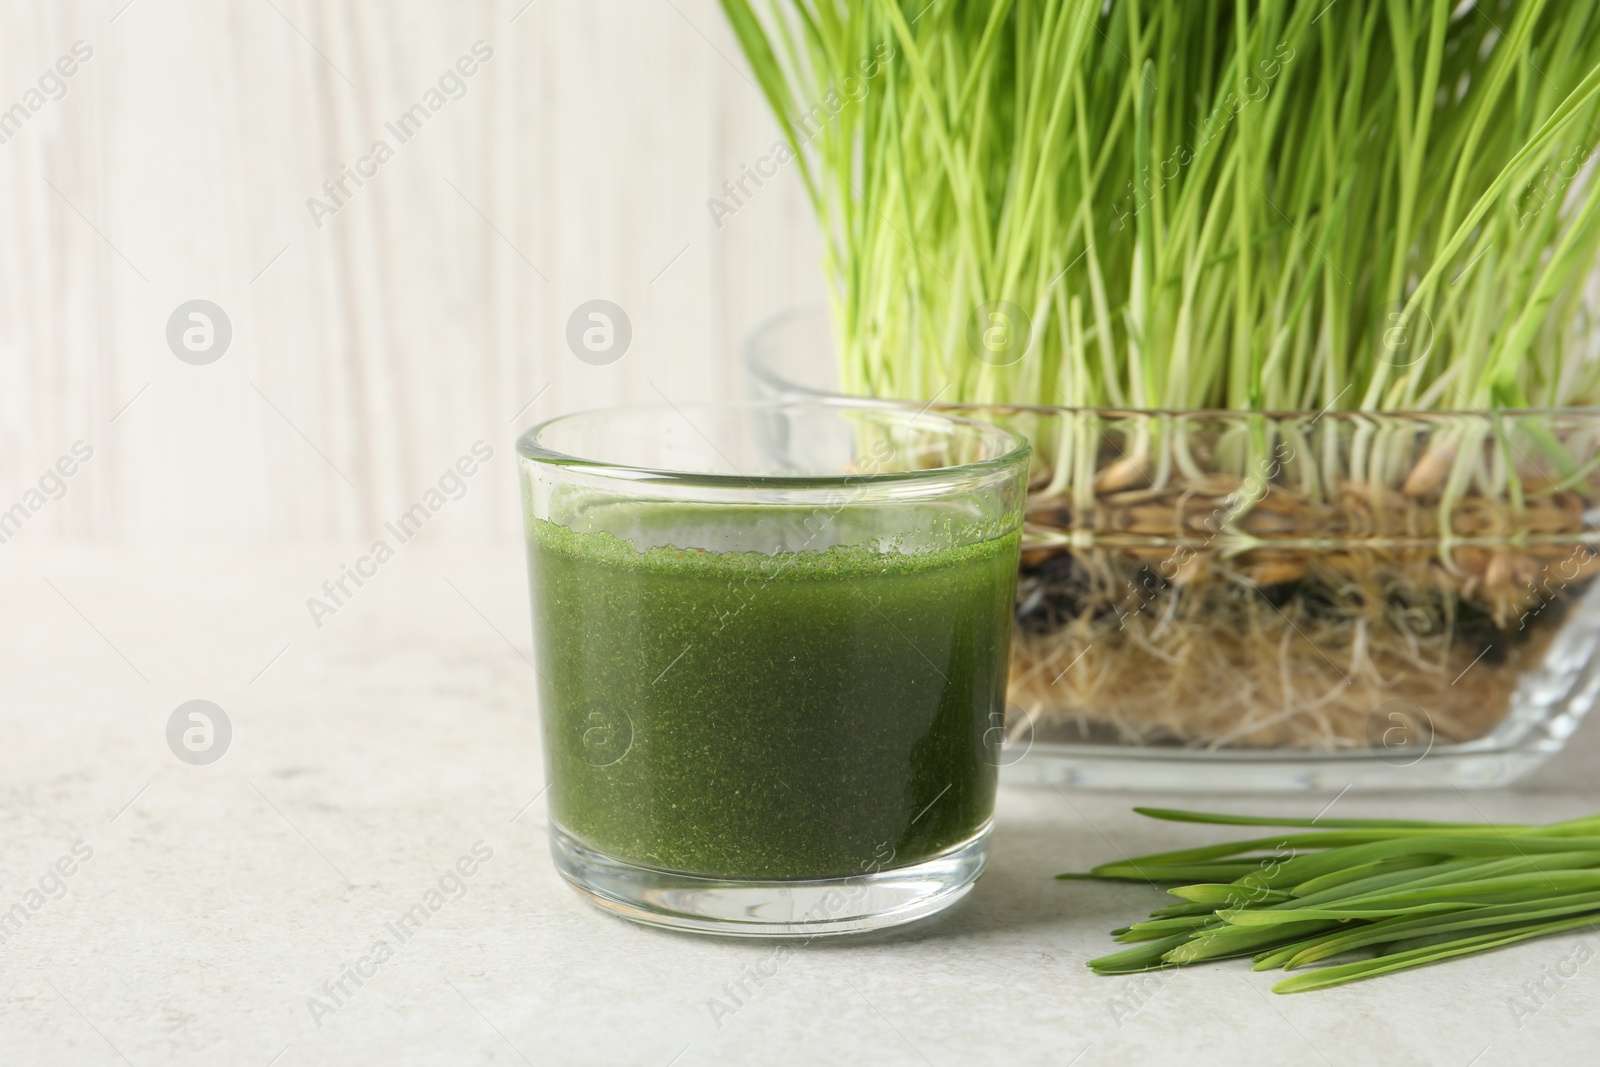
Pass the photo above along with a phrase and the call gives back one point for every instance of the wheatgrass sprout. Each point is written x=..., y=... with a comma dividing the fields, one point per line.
x=1198, y=204
x=1383, y=894
x=1164, y=239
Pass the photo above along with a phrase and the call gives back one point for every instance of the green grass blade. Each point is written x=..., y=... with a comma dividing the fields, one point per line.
x=1402, y=930
x=1145, y=957
x=1227, y=942
x=1325, y=977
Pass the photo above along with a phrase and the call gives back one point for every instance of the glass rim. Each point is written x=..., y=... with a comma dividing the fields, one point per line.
x=1015, y=454
x=801, y=313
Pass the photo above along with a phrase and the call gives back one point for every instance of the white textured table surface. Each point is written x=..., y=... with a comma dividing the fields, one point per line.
x=373, y=753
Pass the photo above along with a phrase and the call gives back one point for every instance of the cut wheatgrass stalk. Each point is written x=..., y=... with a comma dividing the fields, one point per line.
x=1391, y=930
x=1399, y=961
x=1374, y=895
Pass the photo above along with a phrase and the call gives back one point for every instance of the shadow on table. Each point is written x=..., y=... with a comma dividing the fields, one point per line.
x=1019, y=895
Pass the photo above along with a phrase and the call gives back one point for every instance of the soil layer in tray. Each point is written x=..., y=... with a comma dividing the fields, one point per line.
x=1287, y=648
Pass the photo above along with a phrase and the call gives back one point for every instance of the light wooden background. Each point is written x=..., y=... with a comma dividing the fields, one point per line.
x=426, y=314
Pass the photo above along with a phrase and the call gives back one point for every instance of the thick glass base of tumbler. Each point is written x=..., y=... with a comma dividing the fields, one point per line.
x=727, y=906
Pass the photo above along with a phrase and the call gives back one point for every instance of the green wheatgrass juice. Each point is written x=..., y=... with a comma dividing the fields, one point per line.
x=797, y=715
